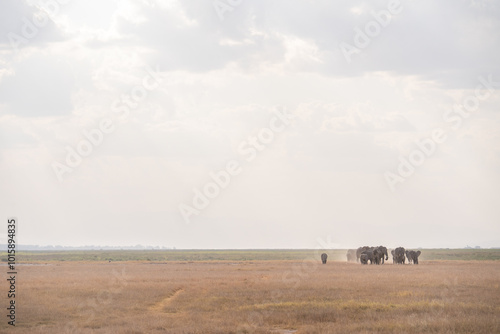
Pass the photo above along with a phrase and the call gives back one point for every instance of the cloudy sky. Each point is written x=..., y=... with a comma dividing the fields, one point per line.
x=251, y=123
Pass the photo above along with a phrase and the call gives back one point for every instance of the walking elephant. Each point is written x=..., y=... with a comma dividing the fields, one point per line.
x=400, y=255
x=324, y=256
x=413, y=255
x=381, y=251
x=409, y=256
x=361, y=250
x=372, y=254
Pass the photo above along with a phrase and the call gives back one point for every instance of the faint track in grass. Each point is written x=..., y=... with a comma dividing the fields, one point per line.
x=160, y=306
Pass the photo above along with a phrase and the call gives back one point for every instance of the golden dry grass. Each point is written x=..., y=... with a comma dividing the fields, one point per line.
x=257, y=297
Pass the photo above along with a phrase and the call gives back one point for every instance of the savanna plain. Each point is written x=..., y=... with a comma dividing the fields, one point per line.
x=268, y=291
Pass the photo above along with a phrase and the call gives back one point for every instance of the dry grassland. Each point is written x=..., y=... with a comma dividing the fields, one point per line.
x=257, y=297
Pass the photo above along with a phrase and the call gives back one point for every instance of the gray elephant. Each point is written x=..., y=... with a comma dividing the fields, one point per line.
x=400, y=255
x=377, y=255
x=368, y=256
x=409, y=256
x=413, y=255
x=373, y=254
x=363, y=258
x=351, y=255
x=361, y=250
x=381, y=251
x=393, y=256
x=324, y=256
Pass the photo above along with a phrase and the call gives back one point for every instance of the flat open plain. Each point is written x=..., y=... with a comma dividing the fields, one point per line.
x=276, y=296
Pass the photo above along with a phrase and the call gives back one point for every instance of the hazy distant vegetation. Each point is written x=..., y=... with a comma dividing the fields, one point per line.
x=234, y=255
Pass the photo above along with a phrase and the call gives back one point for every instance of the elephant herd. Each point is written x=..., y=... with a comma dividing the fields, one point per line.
x=375, y=255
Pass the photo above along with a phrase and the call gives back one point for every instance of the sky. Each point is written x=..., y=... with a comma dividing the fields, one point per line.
x=251, y=124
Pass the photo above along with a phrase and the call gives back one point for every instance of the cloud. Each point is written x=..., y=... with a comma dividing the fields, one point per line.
x=38, y=86
x=443, y=47
x=178, y=41
x=221, y=82
x=23, y=25
x=14, y=135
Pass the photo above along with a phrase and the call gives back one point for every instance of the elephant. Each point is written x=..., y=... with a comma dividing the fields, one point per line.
x=373, y=254
x=400, y=255
x=413, y=255
x=368, y=256
x=393, y=256
x=359, y=251
x=363, y=258
x=381, y=252
x=377, y=255
x=324, y=256
x=409, y=256
x=351, y=255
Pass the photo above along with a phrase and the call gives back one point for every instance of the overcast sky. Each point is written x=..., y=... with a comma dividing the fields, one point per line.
x=338, y=123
